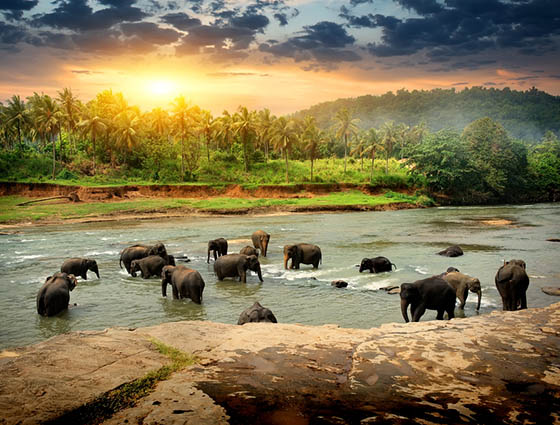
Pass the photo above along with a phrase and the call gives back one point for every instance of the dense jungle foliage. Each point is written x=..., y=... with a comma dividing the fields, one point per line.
x=109, y=141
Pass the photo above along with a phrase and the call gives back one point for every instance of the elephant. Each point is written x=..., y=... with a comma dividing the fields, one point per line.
x=260, y=241
x=79, y=267
x=452, y=251
x=432, y=293
x=218, y=246
x=185, y=283
x=136, y=252
x=302, y=253
x=376, y=265
x=449, y=270
x=256, y=313
x=54, y=295
x=512, y=283
x=236, y=265
x=249, y=250
x=339, y=283
x=462, y=283
x=148, y=266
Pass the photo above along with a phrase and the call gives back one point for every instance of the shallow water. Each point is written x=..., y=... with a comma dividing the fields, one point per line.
x=409, y=238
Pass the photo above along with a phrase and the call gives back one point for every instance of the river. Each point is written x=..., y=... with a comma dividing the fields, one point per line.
x=409, y=238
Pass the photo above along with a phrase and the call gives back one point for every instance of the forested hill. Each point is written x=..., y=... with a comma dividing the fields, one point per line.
x=526, y=115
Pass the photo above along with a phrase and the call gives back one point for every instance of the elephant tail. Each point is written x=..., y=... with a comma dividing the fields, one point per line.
x=392, y=264
x=120, y=262
x=41, y=304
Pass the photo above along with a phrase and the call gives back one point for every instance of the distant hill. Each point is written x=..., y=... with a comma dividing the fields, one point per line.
x=526, y=115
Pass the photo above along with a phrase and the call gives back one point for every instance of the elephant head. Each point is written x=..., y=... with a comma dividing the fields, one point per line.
x=254, y=265
x=474, y=286
x=166, y=273
x=366, y=264
x=290, y=252
x=409, y=295
x=519, y=263
x=70, y=278
x=264, y=239
x=134, y=267
x=158, y=249
x=92, y=265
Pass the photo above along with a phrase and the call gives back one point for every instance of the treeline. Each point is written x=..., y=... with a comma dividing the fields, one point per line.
x=107, y=138
x=526, y=115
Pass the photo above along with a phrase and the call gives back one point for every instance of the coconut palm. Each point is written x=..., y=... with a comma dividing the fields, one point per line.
x=359, y=147
x=264, y=130
x=312, y=137
x=345, y=126
x=390, y=137
x=284, y=136
x=206, y=128
x=372, y=140
x=244, y=127
x=126, y=132
x=93, y=125
x=70, y=107
x=17, y=115
x=224, y=130
x=181, y=121
x=48, y=118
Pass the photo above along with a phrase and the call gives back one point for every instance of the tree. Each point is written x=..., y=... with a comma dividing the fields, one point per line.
x=244, y=127
x=17, y=115
x=283, y=136
x=264, y=130
x=70, y=107
x=390, y=136
x=48, y=118
x=206, y=127
x=372, y=140
x=312, y=136
x=93, y=125
x=345, y=126
x=181, y=119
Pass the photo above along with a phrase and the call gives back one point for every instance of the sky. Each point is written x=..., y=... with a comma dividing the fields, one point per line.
x=284, y=55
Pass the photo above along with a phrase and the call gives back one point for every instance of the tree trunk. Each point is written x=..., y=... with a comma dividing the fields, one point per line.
x=362, y=158
x=287, y=175
x=53, y=156
x=311, y=169
x=345, y=147
x=372, y=161
x=93, y=142
x=245, y=159
x=387, y=164
x=19, y=136
x=266, y=151
x=208, y=148
x=61, y=151
x=182, y=158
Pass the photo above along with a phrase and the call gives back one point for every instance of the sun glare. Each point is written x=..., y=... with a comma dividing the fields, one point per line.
x=161, y=87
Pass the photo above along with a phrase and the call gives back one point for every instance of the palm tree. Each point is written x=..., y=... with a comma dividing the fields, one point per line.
x=264, y=130
x=244, y=126
x=313, y=136
x=17, y=115
x=48, y=118
x=126, y=132
x=359, y=149
x=71, y=108
x=390, y=137
x=373, y=143
x=284, y=135
x=224, y=130
x=206, y=127
x=181, y=119
x=93, y=125
x=159, y=121
x=345, y=127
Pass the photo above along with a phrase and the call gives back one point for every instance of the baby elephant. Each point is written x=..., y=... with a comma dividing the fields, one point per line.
x=149, y=266
x=54, y=295
x=512, y=283
x=79, y=267
x=218, y=247
x=462, y=283
x=185, y=283
x=249, y=250
x=452, y=251
x=236, y=265
x=376, y=265
x=432, y=293
x=256, y=313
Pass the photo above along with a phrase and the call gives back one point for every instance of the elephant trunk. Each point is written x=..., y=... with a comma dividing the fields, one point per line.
x=96, y=270
x=163, y=288
x=259, y=272
x=264, y=245
x=286, y=261
x=479, y=293
x=404, y=308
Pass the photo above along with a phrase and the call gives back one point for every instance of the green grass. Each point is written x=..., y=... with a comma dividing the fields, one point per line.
x=9, y=212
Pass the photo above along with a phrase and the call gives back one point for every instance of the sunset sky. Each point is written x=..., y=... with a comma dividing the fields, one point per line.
x=284, y=55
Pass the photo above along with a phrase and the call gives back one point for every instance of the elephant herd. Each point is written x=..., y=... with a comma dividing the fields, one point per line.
x=438, y=292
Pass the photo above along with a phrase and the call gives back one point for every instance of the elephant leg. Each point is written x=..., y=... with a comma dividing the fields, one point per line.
x=175, y=292
x=84, y=275
x=215, y=255
x=523, y=299
x=196, y=296
x=462, y=296
x=418, y=312
x=440, y=312
x=451, y=312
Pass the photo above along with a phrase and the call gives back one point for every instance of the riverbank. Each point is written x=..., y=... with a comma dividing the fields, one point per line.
x=501, y=367
x=160, y=201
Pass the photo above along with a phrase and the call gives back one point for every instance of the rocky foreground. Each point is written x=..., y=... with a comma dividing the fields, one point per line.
x=499, y=368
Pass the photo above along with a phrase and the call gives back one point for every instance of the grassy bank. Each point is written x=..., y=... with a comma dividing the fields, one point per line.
x=11, y=213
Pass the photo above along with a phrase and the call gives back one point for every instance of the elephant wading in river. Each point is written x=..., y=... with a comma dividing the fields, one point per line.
x=260, y=241
x=376, y=265
x=249, y=250
x=185, y=283
x=54, y=295
x=512, y=283
x=79, y=267
x=452, y=251
x=148, y=266
x=256, y=313
x=218, y=247
x=302, y=253
x=136, y=252
x=462, y=284
x=432, y=293
x=236, y=265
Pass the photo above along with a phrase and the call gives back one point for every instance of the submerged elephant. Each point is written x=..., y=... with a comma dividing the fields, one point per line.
x=376, y=265
x=54, y=295
x=249, y=250
x=185, y=283
x=512, y=283
x=432, y=293
x=302, y=253
x=151, y=265
x=136, y=252
x=236, y=265
x=260, y=241
x=462, y=284
x=256, y=313
x=79, y=267
x=452, y=251
x=218, y=246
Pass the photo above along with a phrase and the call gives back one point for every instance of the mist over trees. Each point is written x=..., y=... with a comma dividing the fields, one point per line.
x=526, y=115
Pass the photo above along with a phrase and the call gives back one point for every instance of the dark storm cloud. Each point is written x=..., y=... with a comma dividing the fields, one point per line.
x=13, y=9
x=282, y=19
x=358, y=2
x=77, y=15
x=251, y=21
x=181, y=21
x=150, y=32
x=456, y=27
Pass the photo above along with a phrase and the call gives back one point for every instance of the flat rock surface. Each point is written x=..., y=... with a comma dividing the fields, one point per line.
x=503, y=367
x=551, y=290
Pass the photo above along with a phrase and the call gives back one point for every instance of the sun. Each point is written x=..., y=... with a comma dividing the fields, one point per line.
x=161, y=87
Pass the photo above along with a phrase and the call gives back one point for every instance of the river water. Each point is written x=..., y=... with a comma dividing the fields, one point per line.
x=409, y=238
